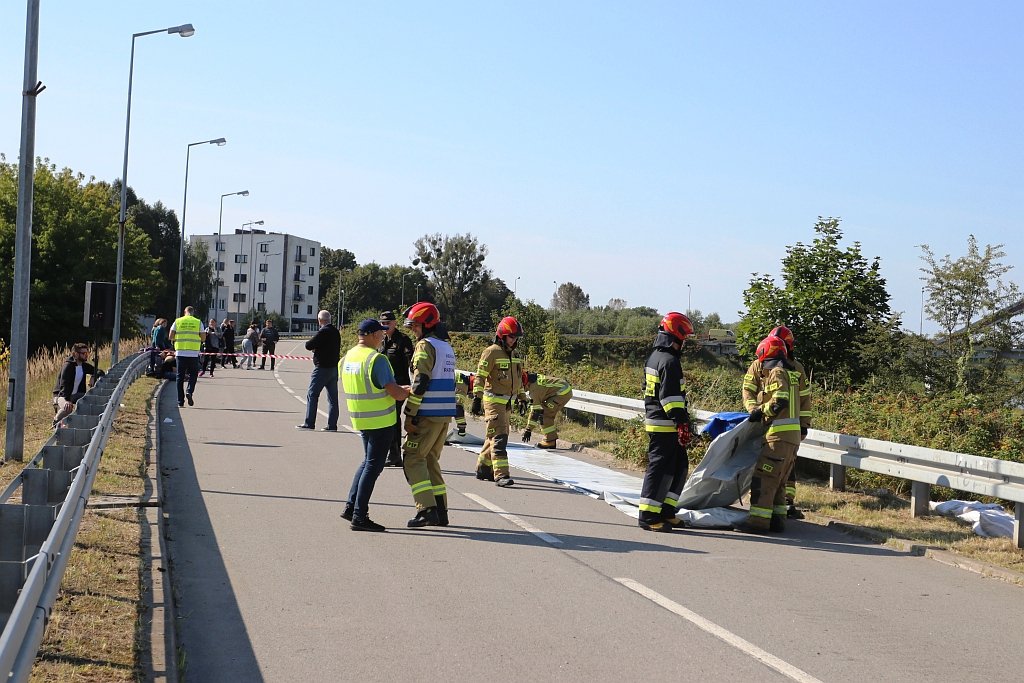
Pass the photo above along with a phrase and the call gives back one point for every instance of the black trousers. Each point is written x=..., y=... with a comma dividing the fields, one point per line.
x=395, y=450
x=667, y=468
x=268, y=349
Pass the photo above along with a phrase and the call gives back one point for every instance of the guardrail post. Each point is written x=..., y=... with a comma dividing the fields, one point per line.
x=1018, y=518
x=837, y=477
x=598, y=421
x=919, y=498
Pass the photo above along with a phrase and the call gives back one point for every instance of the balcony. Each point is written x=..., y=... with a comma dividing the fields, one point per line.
x=300, y=258
x=298, y=277
x=298, y=297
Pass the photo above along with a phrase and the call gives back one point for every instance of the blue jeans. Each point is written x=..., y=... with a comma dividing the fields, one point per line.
x=376, y=443
x=323, y=378
x=188, y=367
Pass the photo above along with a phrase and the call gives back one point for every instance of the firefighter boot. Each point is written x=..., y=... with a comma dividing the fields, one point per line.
x=485, y=472
x=442, y=511
x=793, y=512
x=778, y=523
x=424, y=517
x=547, y=444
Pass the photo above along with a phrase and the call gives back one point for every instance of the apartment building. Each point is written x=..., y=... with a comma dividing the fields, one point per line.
x=267, y=271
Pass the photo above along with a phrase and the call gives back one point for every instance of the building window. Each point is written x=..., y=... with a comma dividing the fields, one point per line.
x=220, y=265
x=309, y=310
x=241, y=258
x=241, y=277
x=222, y=303
x=312, y=270
x=221, y=246
x=295, y=308
x=264, y=267
x=298, y=250
x=312, y=251
x=238, y=297
x=219, y=282
x=309, y=290
x=263, y=287
x=264, y=247
x=261, y=306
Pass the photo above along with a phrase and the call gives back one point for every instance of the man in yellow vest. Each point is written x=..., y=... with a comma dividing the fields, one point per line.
x=428, y=414
x=370, y=394
x=188, y=336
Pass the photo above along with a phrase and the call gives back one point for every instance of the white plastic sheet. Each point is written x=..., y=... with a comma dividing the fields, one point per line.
x=986, y=519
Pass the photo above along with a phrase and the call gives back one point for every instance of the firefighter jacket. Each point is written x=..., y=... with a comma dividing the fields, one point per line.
x=547, y=388
x=434, y=359
x=781, y=401
x=664, y=388
x=499, y=376
x=753, y=389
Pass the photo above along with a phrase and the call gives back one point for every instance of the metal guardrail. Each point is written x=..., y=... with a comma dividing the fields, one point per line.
x=53, y=499
x=923, y=467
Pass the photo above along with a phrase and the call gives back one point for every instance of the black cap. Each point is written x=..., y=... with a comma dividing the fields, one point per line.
x=387, y=315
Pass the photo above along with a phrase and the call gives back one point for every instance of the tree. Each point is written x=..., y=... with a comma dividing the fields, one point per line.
x=75, y=228
x=333, y=262
x=570, y=297
x=197, y=279
x=455, y=264
x=830, y=298
x=616, y=304
x=161, y=224
x=968, y=298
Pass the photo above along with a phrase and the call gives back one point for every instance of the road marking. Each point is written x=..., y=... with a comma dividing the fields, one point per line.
x=521, y=523
x=714, y=629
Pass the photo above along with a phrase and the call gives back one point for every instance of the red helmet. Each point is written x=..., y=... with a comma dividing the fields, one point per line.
x=771, y=347
x=786, y=335
x=676, y=324
x=424, y=313
x=508, y=327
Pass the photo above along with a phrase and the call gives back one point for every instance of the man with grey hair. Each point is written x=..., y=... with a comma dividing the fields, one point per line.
x=326, y=348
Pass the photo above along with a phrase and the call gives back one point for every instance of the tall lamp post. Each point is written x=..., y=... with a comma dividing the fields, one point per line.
x=185, y=31
x=341, y=314
x=248, y=266
x=515, y=287
x=920, y=328
x=220, y=142
x=404, y=275
x=688, y=308
x=216, y=270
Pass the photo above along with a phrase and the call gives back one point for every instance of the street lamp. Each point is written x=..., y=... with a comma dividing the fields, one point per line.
x=341, y=315
x=920, y=329
x=688, y=308
x=185, y=31
x=220, y=142
x=515, y=287
x=405, y=275
x=216, y=271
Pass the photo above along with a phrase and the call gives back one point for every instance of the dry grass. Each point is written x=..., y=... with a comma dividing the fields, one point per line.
x=95, y=629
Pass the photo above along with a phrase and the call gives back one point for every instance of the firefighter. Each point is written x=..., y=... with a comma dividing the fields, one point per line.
x=463, y=383
x=548, y=395
x=779, y=411
x=753, y=385
x=428, y=413
x=667, y=423
x=498, y=382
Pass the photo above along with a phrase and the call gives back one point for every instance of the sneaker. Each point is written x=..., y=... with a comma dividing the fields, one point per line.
x=347, y=513
x=304, y=426
x=328, y=429
x=181, y=404
x=504, y=482
x=658, y=526
x=366, y=524
x=188, y=397
x=391, y=462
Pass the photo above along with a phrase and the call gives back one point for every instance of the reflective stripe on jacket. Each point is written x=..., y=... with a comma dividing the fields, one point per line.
x=783, y=384
x=369, y=407
x=664, y=388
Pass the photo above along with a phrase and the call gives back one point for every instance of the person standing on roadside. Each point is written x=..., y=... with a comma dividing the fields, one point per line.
x=428, y=413
x=227, y=335
x=187, y=335
x=370, y=395
x=326, y=348
x=397, y=347
x=211, y=348
x=268, y=339
x=667, y=423
x=250, y=343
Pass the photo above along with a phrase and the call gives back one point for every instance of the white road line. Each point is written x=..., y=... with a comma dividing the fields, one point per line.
x=522, y=524
x=714, y=629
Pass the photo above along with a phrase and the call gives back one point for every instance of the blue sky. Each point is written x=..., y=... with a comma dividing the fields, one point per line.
x=632, y=148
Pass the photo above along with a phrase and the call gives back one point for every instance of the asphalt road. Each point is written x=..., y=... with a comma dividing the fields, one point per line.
x=534, y=582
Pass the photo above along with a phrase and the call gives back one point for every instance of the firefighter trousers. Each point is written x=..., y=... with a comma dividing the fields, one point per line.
x=768, y=485
x=667, y=466
x=552, y=407
x=423, y=461
x=495, y=451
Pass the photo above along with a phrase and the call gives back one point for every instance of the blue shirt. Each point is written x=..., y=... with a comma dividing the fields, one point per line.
x=381, y=373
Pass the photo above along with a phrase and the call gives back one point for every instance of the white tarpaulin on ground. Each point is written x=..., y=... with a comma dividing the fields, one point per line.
x=717, y=480
x=986, y=519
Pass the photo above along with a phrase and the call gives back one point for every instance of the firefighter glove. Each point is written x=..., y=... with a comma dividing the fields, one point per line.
x=478, y=406
x=756, y=414
x=527, y=435
x=521, y=406
x=779, y=404
x=684, y=434
x=412, y=424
